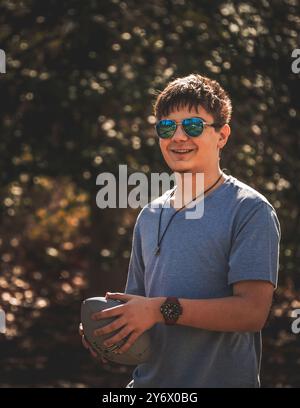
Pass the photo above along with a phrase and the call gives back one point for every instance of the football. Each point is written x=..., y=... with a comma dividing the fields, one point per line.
x=138, y=353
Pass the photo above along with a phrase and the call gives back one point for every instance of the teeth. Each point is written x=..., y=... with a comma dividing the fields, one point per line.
x=182, y=151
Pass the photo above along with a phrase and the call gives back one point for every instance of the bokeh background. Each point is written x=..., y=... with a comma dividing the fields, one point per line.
x=76, y=101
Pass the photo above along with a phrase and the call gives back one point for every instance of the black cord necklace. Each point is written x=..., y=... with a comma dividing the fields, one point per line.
x=157, y=251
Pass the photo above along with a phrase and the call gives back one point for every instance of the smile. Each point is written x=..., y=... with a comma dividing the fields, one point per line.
x=182, y=151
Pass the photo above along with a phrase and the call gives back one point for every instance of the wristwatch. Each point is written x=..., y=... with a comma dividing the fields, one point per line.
x=171, y=309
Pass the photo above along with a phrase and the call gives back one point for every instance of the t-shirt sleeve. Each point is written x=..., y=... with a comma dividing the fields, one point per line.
x=135, y=277
x=254, y=251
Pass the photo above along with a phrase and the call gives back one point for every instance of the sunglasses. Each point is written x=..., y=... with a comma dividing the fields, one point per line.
x=193, y=127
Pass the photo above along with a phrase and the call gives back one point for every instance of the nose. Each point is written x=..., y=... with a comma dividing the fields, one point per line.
x=179, y=134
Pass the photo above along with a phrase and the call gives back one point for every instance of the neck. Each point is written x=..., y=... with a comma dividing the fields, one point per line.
x=191, y=185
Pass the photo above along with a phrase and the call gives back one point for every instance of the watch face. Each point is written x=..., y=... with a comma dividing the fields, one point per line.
x=171, y=311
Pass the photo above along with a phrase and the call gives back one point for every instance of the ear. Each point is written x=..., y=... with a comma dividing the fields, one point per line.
x=224, y=134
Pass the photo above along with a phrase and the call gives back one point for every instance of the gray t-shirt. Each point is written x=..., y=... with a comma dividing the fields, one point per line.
x=236, y=239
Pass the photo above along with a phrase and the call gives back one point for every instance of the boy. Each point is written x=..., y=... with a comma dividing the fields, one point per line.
x=202, y=287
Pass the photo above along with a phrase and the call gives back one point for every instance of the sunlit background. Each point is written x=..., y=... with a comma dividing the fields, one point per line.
x=76, y=100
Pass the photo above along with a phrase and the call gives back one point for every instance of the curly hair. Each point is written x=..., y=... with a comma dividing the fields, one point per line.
x=193, y=91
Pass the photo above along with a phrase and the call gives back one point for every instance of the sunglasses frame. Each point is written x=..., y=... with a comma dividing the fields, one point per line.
x=215, y=125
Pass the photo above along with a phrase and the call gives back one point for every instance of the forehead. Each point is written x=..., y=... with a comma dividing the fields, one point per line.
x=186, y=112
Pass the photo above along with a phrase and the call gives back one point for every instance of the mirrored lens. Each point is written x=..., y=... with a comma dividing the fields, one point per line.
x=165, y=128
x=193, y=126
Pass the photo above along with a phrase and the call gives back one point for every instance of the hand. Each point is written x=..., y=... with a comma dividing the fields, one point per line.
x=137, y=315
x=86, y=345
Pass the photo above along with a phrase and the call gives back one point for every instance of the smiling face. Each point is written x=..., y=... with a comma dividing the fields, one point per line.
x=185, y=154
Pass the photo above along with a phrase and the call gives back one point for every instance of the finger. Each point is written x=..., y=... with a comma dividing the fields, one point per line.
x=118, y=337
x=120, y=296
x=80, y=329
x=131, y=340
x=108, y=328
x=111, y=312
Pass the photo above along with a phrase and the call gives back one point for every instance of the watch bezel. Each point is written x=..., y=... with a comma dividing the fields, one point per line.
x=171, y=310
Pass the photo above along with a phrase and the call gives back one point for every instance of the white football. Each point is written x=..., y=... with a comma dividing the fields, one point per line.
x=138, y=353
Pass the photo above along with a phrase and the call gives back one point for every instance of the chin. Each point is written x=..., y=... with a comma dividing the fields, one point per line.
x=183, y=166
x=182, y=169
